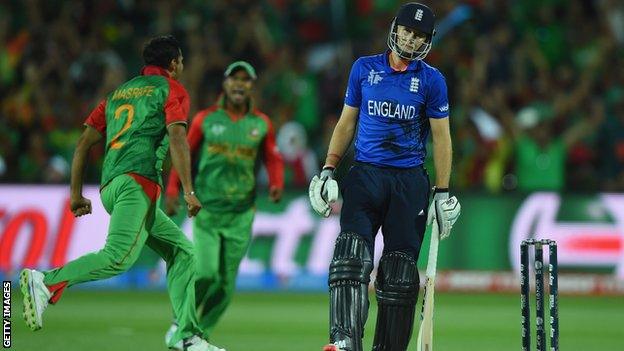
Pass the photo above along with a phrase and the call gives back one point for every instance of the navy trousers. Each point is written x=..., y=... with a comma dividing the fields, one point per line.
x=394, y=199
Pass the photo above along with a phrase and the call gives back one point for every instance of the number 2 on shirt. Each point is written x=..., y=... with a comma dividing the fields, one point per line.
x=115, y=143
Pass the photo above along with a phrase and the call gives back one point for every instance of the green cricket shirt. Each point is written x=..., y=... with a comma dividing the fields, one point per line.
x=228, y=149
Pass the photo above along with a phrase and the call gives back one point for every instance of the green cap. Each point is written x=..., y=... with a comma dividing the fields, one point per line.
x=240, y=65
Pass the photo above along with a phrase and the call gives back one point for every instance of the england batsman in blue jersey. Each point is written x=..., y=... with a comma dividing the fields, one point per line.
x=394, y=100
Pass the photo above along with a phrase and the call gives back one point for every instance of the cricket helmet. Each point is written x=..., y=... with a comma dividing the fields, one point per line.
x=416, y=16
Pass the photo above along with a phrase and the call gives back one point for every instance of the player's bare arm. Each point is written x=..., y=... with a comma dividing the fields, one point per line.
x=442, y=209
x=323, y=188
x=181, y=158
x=80, y=205
x=342, y=136
x=442, y=151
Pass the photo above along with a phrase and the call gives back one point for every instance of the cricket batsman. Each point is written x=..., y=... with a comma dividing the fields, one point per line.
x=228, y=140
x=133, y=121
x=395, y=100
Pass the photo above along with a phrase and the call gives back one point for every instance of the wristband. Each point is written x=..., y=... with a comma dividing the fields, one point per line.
x=440, y=190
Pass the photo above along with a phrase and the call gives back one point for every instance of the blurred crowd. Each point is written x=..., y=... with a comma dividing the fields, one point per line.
x=536, y=86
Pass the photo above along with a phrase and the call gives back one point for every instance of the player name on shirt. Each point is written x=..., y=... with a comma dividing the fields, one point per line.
x=133, y=93
x=391, y=109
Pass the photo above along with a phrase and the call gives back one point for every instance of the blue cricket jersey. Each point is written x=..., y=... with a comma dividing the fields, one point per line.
x=395, y=108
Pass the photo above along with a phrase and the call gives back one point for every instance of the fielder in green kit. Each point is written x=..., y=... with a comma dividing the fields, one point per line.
x=228, y=140
x=133, y=121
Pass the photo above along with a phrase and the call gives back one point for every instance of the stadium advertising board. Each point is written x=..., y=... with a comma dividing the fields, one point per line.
x=292, y=247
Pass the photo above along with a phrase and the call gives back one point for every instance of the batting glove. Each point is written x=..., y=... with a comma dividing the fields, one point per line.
x=323, y=191
x=444, y=210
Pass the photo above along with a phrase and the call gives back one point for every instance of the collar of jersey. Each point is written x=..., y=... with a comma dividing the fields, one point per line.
x=412, y=66
x=151, y=70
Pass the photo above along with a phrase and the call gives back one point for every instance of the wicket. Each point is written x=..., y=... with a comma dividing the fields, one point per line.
x=525, y=289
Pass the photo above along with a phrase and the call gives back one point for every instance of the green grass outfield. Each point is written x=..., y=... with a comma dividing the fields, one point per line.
x=117, y=321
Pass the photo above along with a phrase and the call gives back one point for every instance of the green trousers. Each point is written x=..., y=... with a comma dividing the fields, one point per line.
x=135, y=221
x=221, y=241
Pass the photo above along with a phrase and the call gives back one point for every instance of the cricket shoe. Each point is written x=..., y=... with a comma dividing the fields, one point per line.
x=195, y=343
x=36, y=296
x=332, y=347
x=179, y=346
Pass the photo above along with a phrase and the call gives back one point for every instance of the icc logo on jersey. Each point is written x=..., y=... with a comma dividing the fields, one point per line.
x=374, y=77
x=254, y=133
x=217, y=129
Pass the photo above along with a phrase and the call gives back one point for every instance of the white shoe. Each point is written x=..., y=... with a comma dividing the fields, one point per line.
x=332, y=347
x=36, y=296
x=195, y=343
x=179, y=346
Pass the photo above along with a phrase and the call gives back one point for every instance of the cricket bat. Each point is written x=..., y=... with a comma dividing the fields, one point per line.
x=425, y=334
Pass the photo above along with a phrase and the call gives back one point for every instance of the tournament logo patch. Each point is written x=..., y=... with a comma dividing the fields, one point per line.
x=217, y=129
x=374, y=77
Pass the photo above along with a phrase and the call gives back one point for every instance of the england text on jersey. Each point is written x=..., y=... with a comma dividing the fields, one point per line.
x=390, y=109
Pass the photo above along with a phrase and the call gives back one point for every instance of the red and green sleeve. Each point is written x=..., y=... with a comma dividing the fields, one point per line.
x=97, y=118
x=177, y=104
x=272, y=158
